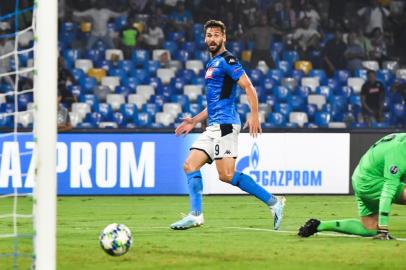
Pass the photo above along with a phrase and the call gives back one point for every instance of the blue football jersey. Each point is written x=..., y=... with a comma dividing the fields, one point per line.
x=222, y=74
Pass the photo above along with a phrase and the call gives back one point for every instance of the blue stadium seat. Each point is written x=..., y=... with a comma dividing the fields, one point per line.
x=132, y=83
x=297, y=75
x=380, y=125
x=118, y=72
x=342, y=76
x=333, y=84
x=197, y=29
x=87, y=84
x=152, y=66
x=285, y=66
x=70, y=56
x=386, y=76
x=6, y=121
x=77, y=74
x=105, y=111
x=94, y=55
x=157, y=84
x=93, y=118
x=23, y=57
x=143, y=119
x=202, y=100
x=123, y=90
x=261, y=94
x=291, y=125
x=195, y=108
x=303, y=91
x=339, y=102
x=171, y=46
x=91, y=100
x=398, y=112
x=267, y=85
x=359, y=125
x=183, y=100
x=256, y=76
x=190, y=47
x=322, y=119
x=23, y=100
x=270, y=100
x=291, y=56
x=100, y=45
x=120, y=22
x=129, y=112
x=277, y=120
x=182, y=55
x=277, y=47
x=141, y=74
x=243, y=108
x=126, y=65
x=176, y=36
x=281, y=93
x=311, y=110
x=182, y=116
x=345, y=91
x=6, y=88
x=386, y=103
x=75, y=90
x=276, y=74
x=204, y=56
x=325, y=91
x=7, y=107
x=199, y=81
x=186, y=74
x=177, y=84
x=298, y=103
x=140, y=57
x=104, y=64
x=283, y=108
x=168, y=91
x=319, y=73
x=235, y=47
x=159, y=100
x=361, y=73
x=118, y=118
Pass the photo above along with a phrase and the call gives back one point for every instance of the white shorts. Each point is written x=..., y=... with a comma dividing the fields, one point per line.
x=219, y=141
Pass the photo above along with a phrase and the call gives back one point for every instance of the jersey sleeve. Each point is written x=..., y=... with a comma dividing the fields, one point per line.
x=233, y=68
x=394, y=168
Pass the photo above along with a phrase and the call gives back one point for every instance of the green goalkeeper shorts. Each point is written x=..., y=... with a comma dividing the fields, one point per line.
x=368, y=201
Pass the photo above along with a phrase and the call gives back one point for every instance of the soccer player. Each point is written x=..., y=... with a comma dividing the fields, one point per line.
x=377, y=184
x=219, y=142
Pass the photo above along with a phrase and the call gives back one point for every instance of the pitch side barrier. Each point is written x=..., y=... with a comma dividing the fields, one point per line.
x=149, y=161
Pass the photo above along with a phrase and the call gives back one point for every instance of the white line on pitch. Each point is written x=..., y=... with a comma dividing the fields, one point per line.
x=294, y=232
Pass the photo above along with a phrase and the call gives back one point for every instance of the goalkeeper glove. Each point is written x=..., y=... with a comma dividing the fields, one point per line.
x=383, y=234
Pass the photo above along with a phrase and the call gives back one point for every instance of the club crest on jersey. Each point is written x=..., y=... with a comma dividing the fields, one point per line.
x=394, y=170
x=209, y=73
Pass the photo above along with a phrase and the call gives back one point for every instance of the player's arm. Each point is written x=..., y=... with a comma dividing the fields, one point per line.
x=253, y=121
x=394, y=169
x=189, y=123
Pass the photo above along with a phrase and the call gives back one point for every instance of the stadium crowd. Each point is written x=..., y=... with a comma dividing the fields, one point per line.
x=140, y=63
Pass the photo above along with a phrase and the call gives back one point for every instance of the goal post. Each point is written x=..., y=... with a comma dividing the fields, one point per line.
x=45, y=133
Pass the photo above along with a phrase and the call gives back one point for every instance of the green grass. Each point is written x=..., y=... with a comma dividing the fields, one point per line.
x=215, y=245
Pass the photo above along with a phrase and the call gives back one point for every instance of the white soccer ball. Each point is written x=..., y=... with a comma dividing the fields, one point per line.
x=115, y=239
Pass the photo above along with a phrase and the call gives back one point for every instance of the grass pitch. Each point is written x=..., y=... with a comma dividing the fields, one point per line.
x=237, y=235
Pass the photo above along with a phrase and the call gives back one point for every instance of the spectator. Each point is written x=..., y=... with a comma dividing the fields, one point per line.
x=364, y=42
x=284, y=17
x=129, y=38
x=100, y=17
x=261, y=36
x=333, y=53
x=63, y=121
x=306, y=38
x=372, y=99
x=310, y=13
x=354, y=54
x=373, y=16
x=379, y=50
x=182, y=20
x=65, y=79
x=153, y=38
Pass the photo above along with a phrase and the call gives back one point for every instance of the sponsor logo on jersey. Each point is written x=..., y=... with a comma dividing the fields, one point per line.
x=227, y=152
x=394, y=170
x=209, y=73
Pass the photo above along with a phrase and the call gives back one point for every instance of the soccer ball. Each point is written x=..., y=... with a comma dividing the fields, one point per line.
x=115, y=239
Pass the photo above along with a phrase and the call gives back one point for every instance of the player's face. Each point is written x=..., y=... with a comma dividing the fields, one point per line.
x=214, y=39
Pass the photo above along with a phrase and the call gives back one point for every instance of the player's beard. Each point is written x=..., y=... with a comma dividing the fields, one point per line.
x=216, y=49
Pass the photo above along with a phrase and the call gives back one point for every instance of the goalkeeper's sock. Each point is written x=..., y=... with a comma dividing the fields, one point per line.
x=195, y=186
x=248, y=184
x=348, y=226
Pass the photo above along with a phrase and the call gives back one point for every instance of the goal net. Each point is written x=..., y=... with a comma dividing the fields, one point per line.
x=28, y=85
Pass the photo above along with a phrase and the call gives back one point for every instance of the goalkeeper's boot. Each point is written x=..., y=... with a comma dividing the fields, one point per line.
x=188, y=221
x=277, y=212
x=309, y=228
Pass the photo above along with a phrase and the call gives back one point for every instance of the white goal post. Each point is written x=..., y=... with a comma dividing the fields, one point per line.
x=45, y=133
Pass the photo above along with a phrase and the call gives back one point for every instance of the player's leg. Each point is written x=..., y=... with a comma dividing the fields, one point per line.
x=199, y=155
x=225, y=153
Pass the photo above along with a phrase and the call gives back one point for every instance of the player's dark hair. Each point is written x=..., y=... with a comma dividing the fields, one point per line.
x=214, y=23
x=370, y=71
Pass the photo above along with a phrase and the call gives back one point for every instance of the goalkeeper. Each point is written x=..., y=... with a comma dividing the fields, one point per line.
x=377, y=184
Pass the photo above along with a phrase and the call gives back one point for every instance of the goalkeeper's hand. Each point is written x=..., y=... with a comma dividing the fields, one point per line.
x=383, y=234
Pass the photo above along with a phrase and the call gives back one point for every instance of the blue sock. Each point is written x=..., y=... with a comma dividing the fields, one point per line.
x=195, y=185
x=248, y=184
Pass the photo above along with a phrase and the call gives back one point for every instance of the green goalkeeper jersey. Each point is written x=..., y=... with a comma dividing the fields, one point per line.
x=380, y=172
